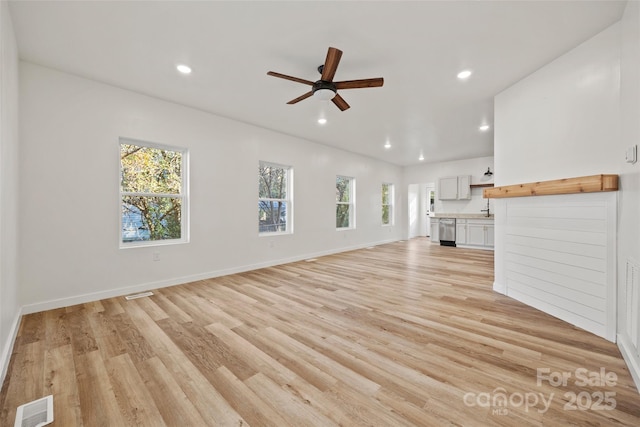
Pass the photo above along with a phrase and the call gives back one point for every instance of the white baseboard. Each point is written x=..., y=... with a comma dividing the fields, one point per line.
x=633, y=363
x=95, y=296
x=499, y=288
x=7, y=348
x=483, y=248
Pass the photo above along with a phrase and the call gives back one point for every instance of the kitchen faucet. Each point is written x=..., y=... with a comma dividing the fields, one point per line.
x=486, y=210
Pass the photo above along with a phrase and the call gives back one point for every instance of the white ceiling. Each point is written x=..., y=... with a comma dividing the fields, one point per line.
x=418, y=47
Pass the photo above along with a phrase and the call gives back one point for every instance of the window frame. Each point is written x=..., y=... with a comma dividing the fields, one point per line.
x=351, y=203
x=183, y=195
x=389, y=204
x=288, y=200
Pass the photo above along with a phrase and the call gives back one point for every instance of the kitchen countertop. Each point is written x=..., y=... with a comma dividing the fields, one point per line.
x=461, y=215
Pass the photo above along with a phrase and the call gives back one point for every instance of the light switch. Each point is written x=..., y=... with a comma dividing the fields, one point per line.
x=631, y=156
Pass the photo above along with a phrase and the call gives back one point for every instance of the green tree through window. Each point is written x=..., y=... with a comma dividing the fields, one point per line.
x=152, y=193
x=387, y=204
x=344, y=202
x=274, y=200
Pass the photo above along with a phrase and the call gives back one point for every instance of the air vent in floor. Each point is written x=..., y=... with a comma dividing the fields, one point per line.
x=35, y=414
x=140, y=295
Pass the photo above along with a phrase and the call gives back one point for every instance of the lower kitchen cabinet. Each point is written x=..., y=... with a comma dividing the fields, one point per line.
x=475, y=233
x=435, y=236
x=461, y=231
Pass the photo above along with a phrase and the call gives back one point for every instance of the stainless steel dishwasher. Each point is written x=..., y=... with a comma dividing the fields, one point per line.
x=447, y=231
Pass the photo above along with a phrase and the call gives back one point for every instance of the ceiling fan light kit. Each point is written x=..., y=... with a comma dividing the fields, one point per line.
x=326, y=89
x=323, y=91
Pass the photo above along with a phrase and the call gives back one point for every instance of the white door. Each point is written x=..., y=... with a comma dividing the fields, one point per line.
x=414, y=210
x=430, y=200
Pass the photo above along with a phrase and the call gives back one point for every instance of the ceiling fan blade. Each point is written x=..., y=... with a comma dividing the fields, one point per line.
x=331, y=64
x=300, y=98
x=355, y=84
x=340, y=102
x=293, y=79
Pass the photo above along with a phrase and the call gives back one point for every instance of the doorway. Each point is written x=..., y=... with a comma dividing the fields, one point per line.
x=430, y=200
x=421, y=199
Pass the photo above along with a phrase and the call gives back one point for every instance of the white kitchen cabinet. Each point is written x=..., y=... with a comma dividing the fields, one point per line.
x=448, y=188
x=464, y=187
x=480, y=233
x=461, y=231
x=475, y=233
x=454, y=187
x=435, y=234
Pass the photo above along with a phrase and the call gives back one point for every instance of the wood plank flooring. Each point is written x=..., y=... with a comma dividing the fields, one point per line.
x=403, y=334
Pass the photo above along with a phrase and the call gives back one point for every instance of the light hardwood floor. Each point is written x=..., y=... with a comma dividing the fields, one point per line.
x=403, y=334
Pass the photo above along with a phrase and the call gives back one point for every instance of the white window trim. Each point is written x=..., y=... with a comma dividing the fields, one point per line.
x=351, y=203
x=391, y=204
x=288, y=200
x=184, y=195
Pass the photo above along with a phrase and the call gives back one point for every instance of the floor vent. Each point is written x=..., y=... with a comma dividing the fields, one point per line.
x=140, y=295
x=35, y=414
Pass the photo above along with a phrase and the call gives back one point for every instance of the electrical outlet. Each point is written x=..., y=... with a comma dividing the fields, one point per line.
x=156, y=256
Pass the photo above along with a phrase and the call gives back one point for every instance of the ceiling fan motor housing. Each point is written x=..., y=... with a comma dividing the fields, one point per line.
x=321, y=84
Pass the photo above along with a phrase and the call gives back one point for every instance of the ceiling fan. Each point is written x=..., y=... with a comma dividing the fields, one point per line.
x=326, y=88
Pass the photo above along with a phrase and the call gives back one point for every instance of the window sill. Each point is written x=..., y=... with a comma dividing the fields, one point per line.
x=275, y=233
x=153, y=243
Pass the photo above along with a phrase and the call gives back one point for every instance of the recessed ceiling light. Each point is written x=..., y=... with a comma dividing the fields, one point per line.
x=421, y=158
x=484, y=128
x=464, y=74
x=322, y=120
x=387, y=145
x=184, y=69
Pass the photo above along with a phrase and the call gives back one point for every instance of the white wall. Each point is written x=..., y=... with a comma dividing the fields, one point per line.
x=9, y=305
x=431, y=172
x=575, y=117
x=629, y=201
x=563, y=120
x=560, y=257
x=69, y=186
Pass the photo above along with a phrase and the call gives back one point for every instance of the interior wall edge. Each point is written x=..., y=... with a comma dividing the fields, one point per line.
x=626, y=348
x=7, y=348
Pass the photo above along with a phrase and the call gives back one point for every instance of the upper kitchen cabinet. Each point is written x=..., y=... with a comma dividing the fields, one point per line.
x=464, y=187
x=454, y=187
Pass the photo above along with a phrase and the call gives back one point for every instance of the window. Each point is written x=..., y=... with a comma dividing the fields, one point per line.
x=275, y=205
x=345, y=202
x=387, y=204
x=152, y=194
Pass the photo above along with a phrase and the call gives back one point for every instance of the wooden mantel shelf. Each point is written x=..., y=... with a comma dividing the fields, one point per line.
x=582, y=184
